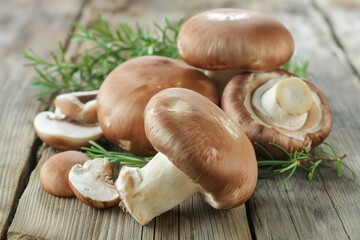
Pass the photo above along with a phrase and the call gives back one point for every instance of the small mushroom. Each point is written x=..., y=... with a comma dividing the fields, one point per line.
x=63, y=134
x=80, y=106
x=278, y=107
x=127, y=89
x=201, y=151
x=92, y=183
x=228, y=41
x=54, y=172
x=73, y=124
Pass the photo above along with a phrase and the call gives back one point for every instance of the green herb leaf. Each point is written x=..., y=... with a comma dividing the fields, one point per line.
x=309, y=161
x=127, y=159
x=109, y=48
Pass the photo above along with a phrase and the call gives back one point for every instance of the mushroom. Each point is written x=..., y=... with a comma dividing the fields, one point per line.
x=54, y=172
x=92, y=183
x=278, y=107
x=73, y=124
x=80, y=106
x=62, y=134
x=201, y=151
x=228, y=41
x=127, y=89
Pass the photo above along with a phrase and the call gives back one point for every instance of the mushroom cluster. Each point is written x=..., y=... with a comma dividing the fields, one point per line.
x=271, y=105
x=155, y=105
x=72, y=173
x=128, y=88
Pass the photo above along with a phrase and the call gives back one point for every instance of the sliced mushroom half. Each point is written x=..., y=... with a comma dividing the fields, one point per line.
x=92, y=183
x=80, y=106
x=278, y=107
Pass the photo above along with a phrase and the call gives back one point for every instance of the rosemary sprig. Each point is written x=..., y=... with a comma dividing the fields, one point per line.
x=110, y=47
x=127, y=159
x=298, y=66
x=307, y=160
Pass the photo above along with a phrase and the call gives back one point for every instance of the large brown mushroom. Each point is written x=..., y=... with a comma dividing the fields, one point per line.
x=278, y=107
x=201, y=150
x=230, y=40
x=126, y=91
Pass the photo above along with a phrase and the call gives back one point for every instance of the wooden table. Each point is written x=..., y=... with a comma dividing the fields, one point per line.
x=326, y=32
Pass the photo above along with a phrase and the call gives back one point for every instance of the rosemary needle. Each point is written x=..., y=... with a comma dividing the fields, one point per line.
x=309, y=161
x=127, y=159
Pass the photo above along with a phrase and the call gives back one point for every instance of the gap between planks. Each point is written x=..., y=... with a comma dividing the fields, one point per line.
x=335, y=37
x=36, y=147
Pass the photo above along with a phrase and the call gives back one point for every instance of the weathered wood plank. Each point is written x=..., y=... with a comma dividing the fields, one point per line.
x=322, y=209
x=23, y=25
x=300, y=209
x=69, y=219
x=344, y=17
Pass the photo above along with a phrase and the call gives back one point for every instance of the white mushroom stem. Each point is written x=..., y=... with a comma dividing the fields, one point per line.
x=57, y=115
x=286, y=103
x=153, y=189
x=221, y=78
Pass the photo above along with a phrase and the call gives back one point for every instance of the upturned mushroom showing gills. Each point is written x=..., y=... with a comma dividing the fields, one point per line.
x=80, y=106
x=280, y=108
x=73, y=123
x=125, y=92
x=201, y=150
x=228, y=41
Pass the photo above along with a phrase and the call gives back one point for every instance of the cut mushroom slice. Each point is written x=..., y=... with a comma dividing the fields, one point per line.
x=54, y=172
x=65, y=135
x=201, y=151
x=228, y=41
x=92, y=183
x=278, y=107
x=80, y=106
x=127, y=89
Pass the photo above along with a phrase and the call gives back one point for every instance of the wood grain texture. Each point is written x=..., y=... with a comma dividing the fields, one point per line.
x=23, y=25
x=343, y=17
x=69, y=219
x=324, y=209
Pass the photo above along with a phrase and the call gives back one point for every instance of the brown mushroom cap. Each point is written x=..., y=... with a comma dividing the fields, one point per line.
x=230, y=38
x=204, y=143
x=124, y=94
x=236, y=102
x=54, y=173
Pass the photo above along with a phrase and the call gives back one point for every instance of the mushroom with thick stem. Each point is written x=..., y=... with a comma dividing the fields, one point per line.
x=54, y=172
x=278, y=107
x=125, y=92
x=92, y=183
x=73, y=124
x=228, y=41
x=201, y=151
